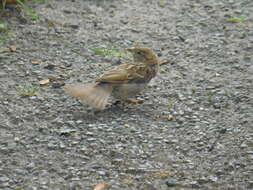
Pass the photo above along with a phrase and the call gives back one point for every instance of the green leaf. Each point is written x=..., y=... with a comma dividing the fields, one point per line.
x=236, y=19
x=3, y=27
x=110, y=51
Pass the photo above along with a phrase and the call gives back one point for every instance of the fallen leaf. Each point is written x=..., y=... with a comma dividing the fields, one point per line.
x=160, y=174
x=100, y=186
x=127, y=181
x=62, y=67
x=4, y=50
x=13, y=48
x=3, y=27
x=44, y=82
x=169, y=117
x=28, y=91
x=35, y=62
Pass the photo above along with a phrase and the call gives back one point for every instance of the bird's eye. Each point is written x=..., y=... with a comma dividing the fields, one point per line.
x=138, y=52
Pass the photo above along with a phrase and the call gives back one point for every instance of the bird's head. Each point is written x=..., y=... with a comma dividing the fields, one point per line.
x=143, y=54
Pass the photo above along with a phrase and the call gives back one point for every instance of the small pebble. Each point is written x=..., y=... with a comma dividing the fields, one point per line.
x=171, y=182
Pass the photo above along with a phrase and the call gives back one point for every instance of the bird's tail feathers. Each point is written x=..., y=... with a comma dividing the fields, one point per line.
x=92, y=94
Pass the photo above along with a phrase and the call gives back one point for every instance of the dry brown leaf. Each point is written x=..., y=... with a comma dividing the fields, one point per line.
x=4, y=50
x=169, y=117
x=62, y=67
x=100, y=186
x=35, y=62
x=13, y=48
x=44, y=82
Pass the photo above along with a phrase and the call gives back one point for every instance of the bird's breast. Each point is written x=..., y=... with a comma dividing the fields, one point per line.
x=128, y=90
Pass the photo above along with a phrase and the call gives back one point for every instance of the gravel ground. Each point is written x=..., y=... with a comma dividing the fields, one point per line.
x=194, y=129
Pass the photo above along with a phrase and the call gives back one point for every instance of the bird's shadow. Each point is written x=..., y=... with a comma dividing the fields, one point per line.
x=112, y=112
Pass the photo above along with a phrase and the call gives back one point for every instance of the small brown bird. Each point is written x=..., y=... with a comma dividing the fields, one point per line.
x=122, y=82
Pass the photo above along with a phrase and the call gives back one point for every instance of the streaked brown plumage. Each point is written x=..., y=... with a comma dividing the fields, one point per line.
x=122, y=82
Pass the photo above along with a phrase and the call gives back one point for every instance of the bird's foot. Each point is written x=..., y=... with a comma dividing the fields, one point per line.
x=135, y=101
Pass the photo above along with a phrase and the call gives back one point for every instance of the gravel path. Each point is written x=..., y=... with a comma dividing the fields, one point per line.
x=194, y=129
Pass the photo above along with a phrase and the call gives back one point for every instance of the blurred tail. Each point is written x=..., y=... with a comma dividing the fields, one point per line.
x=92, y=94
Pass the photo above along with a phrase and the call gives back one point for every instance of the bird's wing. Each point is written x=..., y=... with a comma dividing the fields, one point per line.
x=123, y=74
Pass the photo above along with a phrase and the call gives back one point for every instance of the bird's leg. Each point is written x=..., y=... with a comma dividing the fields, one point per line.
x=123, y=103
